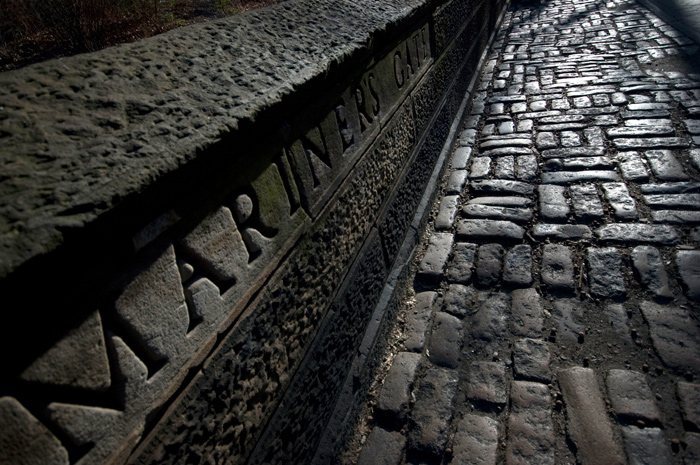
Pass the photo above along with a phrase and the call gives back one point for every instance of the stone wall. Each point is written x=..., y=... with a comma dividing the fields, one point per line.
x=198, y=229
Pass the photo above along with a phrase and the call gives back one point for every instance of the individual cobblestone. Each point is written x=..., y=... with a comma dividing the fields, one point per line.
x=489, y=263
x=417, y=321
x=557, y=269
x=446, y=215
x=673, y=200
x=481, y=166
x=620, y=200
x=571, y=177
x=487, y=382
x=553, y=204
x=457, y=299
x=461, y=264
x=646, y=446
x=651, y=143
x=651, y=271
x=605, y=273
x=505, y=201
x=489, y=322
x=527, y=313
x=562, y=231
x=574, y=152
x=434, y=262
x=619, y=321
x=676, y=217
x=631, y=397
x=568, y=314
x=670, y=188
x=531, y=360
x=665, y=166
x=518, y=215
x=502, y=187
x=578, y=164
x=505, y=168
x=476, y=441
x=545, y=140
x=675, y=335
x=382, y=447
x=461, y=158
x=517, y=266
x=488, y=229
x=639, y=232
x=632, y=167
x=689, y=397
x=586, y=202
x=456, y=181
x=587, y=421
x=688, y=263
x=393, y=401
x=530, y=430
x=445, y=344
x=432, y=412
x=526, y=168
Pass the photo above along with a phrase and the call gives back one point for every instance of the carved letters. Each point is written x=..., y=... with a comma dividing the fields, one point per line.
x=159, y=318
x=322, y=156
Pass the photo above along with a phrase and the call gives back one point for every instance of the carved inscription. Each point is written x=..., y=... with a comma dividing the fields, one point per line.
x=322, y=156
x=161, y=316
x=161, y=313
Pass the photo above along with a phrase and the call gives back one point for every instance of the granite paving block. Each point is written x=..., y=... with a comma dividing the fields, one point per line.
x=527, y=313
x=557, y=269
x=561, y=231
x=587, y=420
x=488, y=229
x=553, y=204
x=688, y=263
x=432, y=412
x=631, y=397
x=620, y=200
x=382, y=447
x=639, y=232
x=489, y=263
x=586, y=202
x=646, y=446
x=486, y=382
x=434, y=261
x=417, y=321
x=476, y=441
x=459, y=269
x=531, y=360
x=446, y=214
x=445, y=342
x=517, y=266
x=393, y=401
x=531, y=436
x=675, y=335
x=651, y=271
x=605, y=276
x=488, y=324
x=665, y=165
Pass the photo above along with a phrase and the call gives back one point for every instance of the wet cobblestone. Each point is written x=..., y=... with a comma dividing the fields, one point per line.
x=563, y=260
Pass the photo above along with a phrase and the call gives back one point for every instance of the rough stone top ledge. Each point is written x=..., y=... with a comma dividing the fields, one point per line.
x=78, y=135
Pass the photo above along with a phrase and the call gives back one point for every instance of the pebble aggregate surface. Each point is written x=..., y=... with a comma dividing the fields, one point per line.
x=556, y=304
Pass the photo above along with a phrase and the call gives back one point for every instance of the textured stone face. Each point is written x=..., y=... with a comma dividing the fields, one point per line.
x=257, y=204
x=133, y=113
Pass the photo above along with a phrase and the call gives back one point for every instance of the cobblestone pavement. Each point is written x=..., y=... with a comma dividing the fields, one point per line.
x=555, y=316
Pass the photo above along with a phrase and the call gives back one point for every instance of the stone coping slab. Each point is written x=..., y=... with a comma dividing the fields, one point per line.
x=80, y=135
